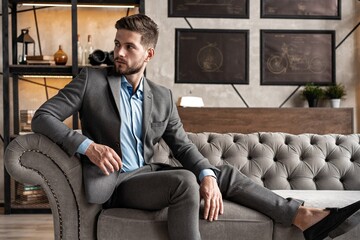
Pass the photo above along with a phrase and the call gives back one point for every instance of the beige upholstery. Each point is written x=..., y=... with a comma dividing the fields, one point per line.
x=324, y=169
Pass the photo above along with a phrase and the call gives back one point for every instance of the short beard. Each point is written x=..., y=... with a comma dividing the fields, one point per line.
x=130, y=70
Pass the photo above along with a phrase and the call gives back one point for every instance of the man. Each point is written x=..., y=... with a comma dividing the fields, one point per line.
x=123, y=114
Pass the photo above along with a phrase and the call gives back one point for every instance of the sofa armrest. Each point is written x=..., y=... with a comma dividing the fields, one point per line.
x=35, y=159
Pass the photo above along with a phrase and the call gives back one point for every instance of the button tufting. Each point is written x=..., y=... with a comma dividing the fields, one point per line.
x=249, y=157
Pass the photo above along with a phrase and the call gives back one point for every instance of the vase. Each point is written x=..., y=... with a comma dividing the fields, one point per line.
x=60, y=57
x=335, y=103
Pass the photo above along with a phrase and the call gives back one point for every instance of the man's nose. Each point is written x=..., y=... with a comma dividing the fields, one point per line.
x=120, y=51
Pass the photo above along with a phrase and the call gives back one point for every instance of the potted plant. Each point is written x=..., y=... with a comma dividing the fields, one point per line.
x=312, y=94
x=335, y=93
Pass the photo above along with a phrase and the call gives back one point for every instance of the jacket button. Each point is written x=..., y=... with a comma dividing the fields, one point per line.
x=117, y=144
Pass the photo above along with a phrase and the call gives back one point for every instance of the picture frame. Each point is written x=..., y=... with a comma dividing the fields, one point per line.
x=302, y=9
x=211, y=56
x=297, y=57
x=208, y=8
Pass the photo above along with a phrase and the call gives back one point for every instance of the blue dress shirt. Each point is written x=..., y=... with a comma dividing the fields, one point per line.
x=131, y=125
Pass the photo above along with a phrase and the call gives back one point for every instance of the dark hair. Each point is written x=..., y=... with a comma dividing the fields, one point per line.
x=142, y=24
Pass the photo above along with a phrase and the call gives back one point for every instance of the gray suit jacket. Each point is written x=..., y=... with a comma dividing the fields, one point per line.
x=95, y=94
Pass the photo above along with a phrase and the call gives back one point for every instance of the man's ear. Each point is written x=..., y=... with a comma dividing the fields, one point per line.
x=150, y=54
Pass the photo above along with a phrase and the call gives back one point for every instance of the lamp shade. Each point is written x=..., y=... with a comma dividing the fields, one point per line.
x=25, y=37
x=191, y=101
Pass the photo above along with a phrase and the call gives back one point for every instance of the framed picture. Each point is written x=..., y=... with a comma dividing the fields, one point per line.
x=211, y=56
x=209, y=8
x=297, y=57
x=311, y=9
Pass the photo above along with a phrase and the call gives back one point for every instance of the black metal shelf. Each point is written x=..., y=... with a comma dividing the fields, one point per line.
x=45, y=70
x=40, y=70
x=105, y=2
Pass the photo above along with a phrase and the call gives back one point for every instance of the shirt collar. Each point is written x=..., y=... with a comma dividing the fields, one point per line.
x=127, y=86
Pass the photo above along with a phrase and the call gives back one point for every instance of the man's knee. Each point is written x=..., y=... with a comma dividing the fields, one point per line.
x=187, y=177
x=228, y=170
x=185, y=183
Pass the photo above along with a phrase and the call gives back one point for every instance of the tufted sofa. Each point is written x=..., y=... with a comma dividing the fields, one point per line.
x=323, y=170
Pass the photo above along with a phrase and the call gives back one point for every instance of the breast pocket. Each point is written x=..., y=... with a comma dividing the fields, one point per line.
x=158, y=124
x=157, y=130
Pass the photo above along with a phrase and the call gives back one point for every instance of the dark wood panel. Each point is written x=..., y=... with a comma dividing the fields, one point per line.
x=249, y=120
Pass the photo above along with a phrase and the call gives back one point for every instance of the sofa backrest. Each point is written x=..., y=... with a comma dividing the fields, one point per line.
x=280, y=160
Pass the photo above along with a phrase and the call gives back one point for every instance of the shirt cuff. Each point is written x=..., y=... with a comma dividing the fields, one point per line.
x=84, y=146
x=205, y=173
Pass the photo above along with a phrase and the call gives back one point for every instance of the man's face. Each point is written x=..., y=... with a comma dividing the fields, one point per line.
x=129, y=55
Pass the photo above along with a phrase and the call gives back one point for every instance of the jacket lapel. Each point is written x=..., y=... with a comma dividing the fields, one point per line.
x=147, y=107
x=115, y=84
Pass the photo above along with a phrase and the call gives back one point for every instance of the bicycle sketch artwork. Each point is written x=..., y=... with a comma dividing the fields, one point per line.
x=209, y=8
x=297, y=57
x=292, y=62
x=211, y=56
x=301, y=9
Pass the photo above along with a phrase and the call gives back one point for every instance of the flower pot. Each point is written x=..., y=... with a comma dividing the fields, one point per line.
x=313, y=102
x=335, y=103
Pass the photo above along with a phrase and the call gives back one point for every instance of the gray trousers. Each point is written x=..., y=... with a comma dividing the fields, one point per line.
x=154, y=187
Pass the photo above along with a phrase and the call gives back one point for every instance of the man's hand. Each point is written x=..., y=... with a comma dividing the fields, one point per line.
x=210, y=192
x=104, y=157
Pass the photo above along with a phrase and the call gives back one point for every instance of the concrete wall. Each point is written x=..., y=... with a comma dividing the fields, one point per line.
x=54, y=27
x=162, y=67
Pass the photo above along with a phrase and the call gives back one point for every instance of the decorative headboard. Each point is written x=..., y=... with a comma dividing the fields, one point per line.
x=250, y=120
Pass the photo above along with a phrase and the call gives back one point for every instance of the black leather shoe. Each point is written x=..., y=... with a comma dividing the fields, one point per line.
x=321, y=229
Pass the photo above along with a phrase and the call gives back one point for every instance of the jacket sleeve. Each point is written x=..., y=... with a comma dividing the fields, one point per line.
x=182, y=147
x=48, y=119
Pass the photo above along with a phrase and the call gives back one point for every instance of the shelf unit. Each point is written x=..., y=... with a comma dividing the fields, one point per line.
x=12, y=70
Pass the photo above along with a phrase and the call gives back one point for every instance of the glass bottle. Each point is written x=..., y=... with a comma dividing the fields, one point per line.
x=88, y=49
x=79, y=51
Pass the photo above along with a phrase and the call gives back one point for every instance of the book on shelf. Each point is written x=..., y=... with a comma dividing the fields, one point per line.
x=40, y=62
x=31, y=197
x=32, y=192
x=26, y=187
x=31, y=201
x=29, y=194
x=40, y=58
x=25, y=120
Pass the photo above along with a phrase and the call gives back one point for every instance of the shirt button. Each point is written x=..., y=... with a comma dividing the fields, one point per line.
x=117, y=144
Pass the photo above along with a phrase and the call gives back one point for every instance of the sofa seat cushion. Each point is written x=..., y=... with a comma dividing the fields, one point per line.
x=321, y=199
x=237, y=222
